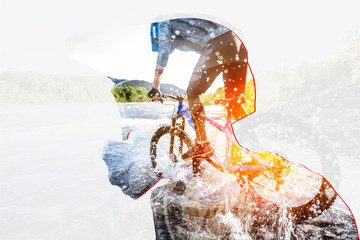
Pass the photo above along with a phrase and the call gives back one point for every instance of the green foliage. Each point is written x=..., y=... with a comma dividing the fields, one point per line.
x=209, y=99
x=219, y=93
x=130, y=94
x=310, y=78
x=28, y=87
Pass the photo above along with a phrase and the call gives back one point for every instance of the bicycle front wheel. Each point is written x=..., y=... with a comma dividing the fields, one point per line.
x=166, y=147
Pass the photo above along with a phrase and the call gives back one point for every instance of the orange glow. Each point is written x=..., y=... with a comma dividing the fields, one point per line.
x=249, y=106
x=278, y=165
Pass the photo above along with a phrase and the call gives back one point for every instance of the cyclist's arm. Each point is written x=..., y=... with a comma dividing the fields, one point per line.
x=165, y=46
x=158, y=75
x=155, y=93
x=163, y=54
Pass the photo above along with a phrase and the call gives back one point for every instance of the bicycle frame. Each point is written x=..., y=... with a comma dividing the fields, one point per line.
x=184, y=114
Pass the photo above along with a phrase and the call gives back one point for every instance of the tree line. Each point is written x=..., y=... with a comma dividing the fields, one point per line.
x=130, y=94
x=18, y=87
x=139, y=94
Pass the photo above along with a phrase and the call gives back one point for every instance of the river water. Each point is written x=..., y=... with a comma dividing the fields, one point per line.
x=54, y=184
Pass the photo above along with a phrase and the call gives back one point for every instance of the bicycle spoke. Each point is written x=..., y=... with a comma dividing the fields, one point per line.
x=296, y=188
x=262, y=186
x=169, y=149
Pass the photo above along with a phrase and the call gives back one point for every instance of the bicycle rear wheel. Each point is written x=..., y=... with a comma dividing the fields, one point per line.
x=163, y=154
x=299, y=142
x=303, y=193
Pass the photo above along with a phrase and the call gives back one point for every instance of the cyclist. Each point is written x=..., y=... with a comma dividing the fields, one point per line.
x=220, y=51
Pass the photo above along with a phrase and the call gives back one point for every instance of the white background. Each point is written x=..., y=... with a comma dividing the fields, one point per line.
x=46, y=36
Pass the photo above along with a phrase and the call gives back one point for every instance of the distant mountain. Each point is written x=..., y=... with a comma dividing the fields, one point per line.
x=165, y=88
x=116, y=80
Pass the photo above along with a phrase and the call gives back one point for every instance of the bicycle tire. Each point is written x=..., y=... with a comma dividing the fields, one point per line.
x=320, y=203
x=161, y=133
x=325, y=195
x=319, y=198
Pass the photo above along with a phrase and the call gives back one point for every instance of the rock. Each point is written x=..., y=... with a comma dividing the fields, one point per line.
x=133, y=175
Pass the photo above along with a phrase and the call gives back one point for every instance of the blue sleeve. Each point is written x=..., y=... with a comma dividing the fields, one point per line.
x=164, y=43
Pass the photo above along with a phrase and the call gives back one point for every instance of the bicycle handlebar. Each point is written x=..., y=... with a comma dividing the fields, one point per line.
x=179, y=98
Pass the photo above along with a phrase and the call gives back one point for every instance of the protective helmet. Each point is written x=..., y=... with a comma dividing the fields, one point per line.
x=154, y=34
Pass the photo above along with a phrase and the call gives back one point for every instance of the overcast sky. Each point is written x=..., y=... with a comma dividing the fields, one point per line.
x=46, y=36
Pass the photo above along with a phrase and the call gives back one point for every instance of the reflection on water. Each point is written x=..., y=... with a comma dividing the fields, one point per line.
x=146, y=110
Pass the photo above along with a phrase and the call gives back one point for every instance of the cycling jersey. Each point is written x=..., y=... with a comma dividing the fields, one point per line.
x=185, y=34
x=221, y=51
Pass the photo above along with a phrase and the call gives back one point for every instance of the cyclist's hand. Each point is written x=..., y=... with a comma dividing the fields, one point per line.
x=154, y=94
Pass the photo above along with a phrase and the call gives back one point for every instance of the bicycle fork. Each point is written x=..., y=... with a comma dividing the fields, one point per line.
x=174, y=127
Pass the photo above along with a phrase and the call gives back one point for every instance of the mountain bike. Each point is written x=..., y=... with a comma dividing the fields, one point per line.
x=302, y=192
